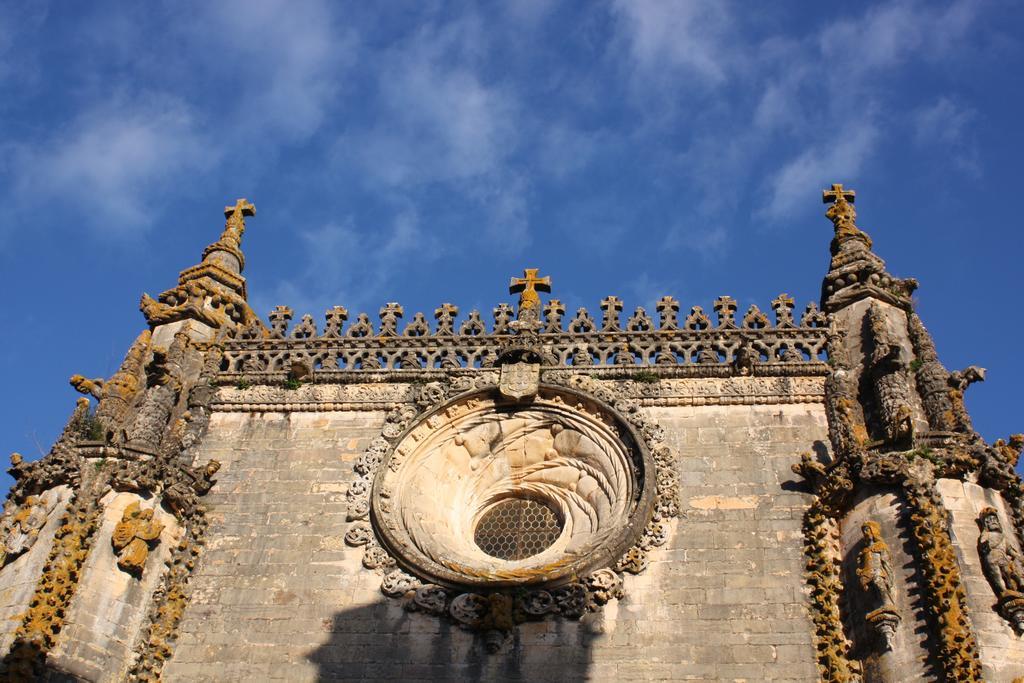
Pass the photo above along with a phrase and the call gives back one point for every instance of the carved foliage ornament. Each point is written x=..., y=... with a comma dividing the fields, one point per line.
x=493, y=512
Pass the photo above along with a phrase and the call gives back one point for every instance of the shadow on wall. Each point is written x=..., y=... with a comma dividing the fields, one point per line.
x=384, y=642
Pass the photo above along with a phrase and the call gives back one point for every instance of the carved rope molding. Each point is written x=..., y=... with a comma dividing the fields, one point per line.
x=495, y=611
x=821, y=550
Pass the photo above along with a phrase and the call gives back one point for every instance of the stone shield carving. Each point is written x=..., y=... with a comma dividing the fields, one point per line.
x=519, y=380
x=478, y=493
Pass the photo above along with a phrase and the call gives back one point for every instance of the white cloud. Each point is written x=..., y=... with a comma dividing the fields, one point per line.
x=114, y=162
x=438, y=121
x=945, y=126
x=890, y=33
x=687, y=35
x=835, y=160
x=944, y=122
x=289, y=60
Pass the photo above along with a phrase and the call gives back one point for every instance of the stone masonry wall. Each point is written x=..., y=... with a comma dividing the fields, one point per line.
x=278, y=596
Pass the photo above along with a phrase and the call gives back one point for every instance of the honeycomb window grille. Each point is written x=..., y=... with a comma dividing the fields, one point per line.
x=517, y=528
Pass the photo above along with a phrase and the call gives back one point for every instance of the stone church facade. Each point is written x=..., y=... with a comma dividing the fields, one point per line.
x=697, y=495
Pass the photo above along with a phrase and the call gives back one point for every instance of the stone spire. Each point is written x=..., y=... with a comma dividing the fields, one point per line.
x=227, y=251
x=855, y=271
x=213, y=291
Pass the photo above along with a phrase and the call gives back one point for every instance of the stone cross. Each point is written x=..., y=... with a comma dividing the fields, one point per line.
x=336, y=318
x=389, y=315
x=234, y=226
x=611, y=307
x=668, y=309
x=502, y=317
x=279, y=318
x=725, y=307
x=783, y=306
x=841, y=213
x=527, y=288
x=838, y=195
x=445, y=316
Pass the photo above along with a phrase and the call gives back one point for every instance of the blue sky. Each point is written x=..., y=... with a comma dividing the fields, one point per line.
x=425, y=152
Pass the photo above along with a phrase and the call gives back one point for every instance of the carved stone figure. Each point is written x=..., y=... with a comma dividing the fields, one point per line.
x=874, y=569
x=1004, y=566
x=133, y=537
x=745, y=359
x=958, y=383
x=117, y=394
x=20, y=526
x=888, y=367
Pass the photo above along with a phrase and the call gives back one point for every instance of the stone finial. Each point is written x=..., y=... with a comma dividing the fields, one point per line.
x=473, y=326
x=783, y=306
x=697, y=319
x=279, y=319
x=527, y=288
x=611, y=308
x=417, y=327
x=725, y=308
x=389, y=316
x=306, y=329
x=445, y=316
x=639, y=321
x=755, y=319
x=668, y=311
x=553, y=312
x=582, y=322
x=336, y=318
x=362, y=327
x=812, y=317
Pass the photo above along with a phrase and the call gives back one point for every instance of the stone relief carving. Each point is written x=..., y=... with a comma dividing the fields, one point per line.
x=874, y=569
x=21, y=524
x=667, y=392
x=134, y=536
x=1004, y=566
